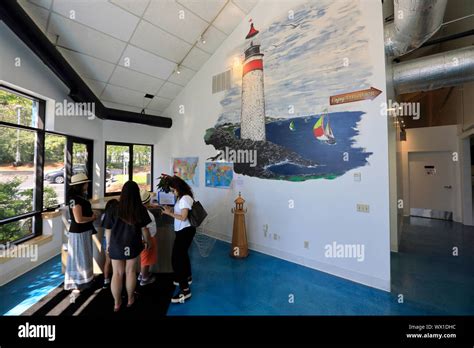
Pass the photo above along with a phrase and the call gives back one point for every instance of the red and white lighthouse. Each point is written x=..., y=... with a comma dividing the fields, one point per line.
x=252, y=119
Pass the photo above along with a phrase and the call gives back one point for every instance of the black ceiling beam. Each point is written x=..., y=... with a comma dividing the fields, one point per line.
x=27, y=31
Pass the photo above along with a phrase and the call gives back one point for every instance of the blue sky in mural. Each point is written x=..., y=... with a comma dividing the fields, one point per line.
x=306, y=60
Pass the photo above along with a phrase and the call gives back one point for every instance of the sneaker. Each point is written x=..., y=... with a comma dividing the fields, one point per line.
x=147, y=281
x=181, y=296
x=139, y=277
x=106, y=284
x=190, y=281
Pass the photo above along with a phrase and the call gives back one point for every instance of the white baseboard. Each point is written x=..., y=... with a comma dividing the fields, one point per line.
x=382, y=284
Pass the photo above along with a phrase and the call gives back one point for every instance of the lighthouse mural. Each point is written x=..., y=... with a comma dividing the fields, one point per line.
x=287, y=116
x=252, y=119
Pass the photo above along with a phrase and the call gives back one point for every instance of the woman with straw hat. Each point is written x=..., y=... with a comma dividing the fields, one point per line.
x=79, y=267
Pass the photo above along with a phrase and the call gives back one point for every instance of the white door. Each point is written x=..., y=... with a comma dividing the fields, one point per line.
x=431, y=184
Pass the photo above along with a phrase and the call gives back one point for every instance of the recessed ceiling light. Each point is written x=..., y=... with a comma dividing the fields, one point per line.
x=178, y=70
x=203, y=40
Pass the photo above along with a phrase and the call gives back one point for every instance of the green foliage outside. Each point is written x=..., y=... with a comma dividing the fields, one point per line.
x=14, y=202
x=116, y=157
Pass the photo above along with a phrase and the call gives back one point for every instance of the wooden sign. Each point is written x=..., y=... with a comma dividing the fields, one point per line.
x=365, y=94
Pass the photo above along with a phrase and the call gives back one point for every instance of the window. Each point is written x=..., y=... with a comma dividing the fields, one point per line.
x=35, y=165
x=125, y=162
x=54, y=170
x=21, y=161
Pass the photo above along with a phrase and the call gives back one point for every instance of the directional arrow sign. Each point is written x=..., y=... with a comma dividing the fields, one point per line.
x=365, y=94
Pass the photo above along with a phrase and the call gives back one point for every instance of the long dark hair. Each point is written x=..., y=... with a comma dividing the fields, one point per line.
x=111, y=207
x=130, y=207
x=181, y=187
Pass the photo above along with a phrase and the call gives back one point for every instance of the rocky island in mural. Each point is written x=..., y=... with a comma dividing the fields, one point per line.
x=274, y=111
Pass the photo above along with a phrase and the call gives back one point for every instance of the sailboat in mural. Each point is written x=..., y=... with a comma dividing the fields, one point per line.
x=322, y=130
x=292, y=126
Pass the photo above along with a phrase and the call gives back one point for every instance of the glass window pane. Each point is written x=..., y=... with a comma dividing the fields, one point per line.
x=54, y=170
x=18, y=109
x=79, y=158
x=142, y=166
x=17, y=171
x=16, y=230
x=117, y=161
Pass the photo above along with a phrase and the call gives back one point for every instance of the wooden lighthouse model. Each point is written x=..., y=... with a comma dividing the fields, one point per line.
x=240, y=247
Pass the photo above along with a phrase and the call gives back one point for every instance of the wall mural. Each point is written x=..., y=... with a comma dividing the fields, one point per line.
x=291, y=76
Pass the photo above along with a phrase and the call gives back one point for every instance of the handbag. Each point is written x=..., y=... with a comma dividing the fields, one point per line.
x=197, y=214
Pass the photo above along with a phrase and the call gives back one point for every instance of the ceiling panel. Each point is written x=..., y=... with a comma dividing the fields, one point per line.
x=229, y=18
x=85, y=40
x=147, y=63
x=183, y=78
x=207, y=9
x=98, y=14
x=122, y=107
x=134, y=80
x=87, y=66
x=196, y=59
x=169, y=90
x=159, y=104
x=39, y=15
x=96, y=86
x=121, y=57
x=137, y=7
x=43, y=3
x=176, y=19
x=160, y=42
x=245, y=5
x=148, y=111
x=214, y=38
x=122, y=95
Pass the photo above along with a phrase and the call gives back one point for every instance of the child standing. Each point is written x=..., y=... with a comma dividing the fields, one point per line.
x=149, y=256
x=110, y=208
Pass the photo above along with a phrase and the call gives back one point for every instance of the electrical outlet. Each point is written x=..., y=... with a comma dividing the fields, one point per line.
x=306, y=244
x=363, y=208
x=357, y=177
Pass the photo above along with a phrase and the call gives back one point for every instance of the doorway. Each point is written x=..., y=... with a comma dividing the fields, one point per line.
x=431, y=182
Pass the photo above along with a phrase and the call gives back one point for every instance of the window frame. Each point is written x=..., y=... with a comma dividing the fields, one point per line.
x=130, y=163
x=39, y=131
x=38, y=189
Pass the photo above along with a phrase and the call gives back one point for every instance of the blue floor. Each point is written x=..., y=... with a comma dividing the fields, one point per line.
x=263, y=285
x=23, y=292
x=431, y=280
x=425, y=269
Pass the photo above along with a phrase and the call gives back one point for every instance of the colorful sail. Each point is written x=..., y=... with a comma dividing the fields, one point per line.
x=324, y=132
x=292, y=126
x=318, y=129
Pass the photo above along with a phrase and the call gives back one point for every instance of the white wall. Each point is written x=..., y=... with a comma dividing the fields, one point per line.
x=33, y=77
x=432, y=139
x=325, y=210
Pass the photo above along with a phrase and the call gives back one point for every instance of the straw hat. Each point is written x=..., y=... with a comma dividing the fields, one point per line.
x=145, y=196
x=78, y=179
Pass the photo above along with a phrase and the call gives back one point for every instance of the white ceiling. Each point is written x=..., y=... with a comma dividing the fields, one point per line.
x=124, y=49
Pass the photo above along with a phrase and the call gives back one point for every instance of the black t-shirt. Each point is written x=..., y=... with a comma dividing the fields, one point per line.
x=86, y=211
x=125, y=239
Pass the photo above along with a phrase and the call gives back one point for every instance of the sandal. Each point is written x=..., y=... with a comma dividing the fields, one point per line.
x=117, y=308
x=130, y=304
